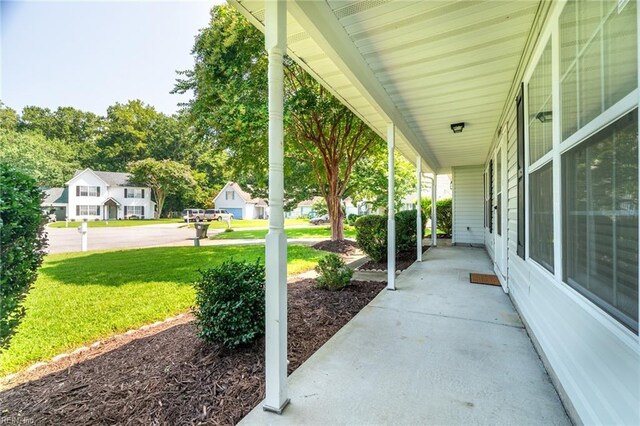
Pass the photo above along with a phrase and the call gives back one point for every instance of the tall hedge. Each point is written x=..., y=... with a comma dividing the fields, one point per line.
x=22, y=244
x=406, y=230
x=444, y=216
x=444, y=212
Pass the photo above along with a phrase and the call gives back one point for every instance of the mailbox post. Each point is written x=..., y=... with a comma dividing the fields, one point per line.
x=82, y=229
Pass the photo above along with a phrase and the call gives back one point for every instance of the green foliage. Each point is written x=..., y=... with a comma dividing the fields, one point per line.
x=371, y=236
x=333, y=273
x=425, y=204
x=444, y=215
x=319, y=207
x=324, y=139
x=49, y=161
x=406, y=230
x=230, y=303
x=8, y=118
x=351, y=219
x=369, y=180
x=22, y=244
x=164, y=177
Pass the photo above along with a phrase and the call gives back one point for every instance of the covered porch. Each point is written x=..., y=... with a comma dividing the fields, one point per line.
x=439, y=350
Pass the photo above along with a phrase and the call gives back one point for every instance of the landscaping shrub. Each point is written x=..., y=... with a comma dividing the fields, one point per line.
x=406, y=230
x=371, y=236
x=230, y=303
x=22, y=244
x=351, y=219
x=334, y=274
x=443, y=208
x=443, y=215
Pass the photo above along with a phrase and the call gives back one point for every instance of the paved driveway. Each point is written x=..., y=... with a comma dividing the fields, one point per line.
x=64, y=240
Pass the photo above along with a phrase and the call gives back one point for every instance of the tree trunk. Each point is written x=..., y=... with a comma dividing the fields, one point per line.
x=160, y=196
x=334, y=205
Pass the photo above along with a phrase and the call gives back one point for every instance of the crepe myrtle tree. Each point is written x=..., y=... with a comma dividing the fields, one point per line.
x=323, y=138
x=164, y=177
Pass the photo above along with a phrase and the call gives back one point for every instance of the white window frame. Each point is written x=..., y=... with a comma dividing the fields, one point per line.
x=233, y=195
x=134, y=193
x=89, y=191
x=622, y=107
x=134, y=210
x=89, y=210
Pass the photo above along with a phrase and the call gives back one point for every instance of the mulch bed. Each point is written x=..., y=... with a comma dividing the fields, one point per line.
x=340, y=246
x=403, y=261
x=172, y=377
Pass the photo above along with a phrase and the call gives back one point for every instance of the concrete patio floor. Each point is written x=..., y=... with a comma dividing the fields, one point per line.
x=439, y=350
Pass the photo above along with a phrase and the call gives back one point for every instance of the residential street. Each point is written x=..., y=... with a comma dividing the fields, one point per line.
x=64, y=240
x=67, y=240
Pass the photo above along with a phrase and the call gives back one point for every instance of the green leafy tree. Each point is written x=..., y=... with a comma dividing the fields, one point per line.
x=49, y=161
x=324, y=140
x=22, y=244
x=164, y=177
x=370, y=183
x=8, y=118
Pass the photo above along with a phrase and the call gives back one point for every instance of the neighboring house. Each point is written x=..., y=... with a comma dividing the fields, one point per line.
x=55, y=201
x=240, y=203
x=94, y=195
x=532, y=107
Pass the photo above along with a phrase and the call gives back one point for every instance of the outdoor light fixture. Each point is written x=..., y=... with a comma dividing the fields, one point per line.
x=457, y=127
x=544, y=116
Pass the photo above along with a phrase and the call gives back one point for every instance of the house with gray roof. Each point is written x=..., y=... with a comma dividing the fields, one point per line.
x=240, y=203
x=95, y=195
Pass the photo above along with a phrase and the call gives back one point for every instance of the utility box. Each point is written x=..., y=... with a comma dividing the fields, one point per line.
x=201, y=230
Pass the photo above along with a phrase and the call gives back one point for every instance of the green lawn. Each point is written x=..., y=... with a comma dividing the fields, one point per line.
x=83, y=297
x=309, y=232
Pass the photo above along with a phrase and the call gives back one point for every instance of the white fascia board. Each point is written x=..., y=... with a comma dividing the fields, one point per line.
x=221, y=192
x=322, y=25
x=83, y=172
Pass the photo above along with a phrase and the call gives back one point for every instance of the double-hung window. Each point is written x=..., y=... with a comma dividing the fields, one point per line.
x=540, y=119
x=133, y=193
x=599, y=136
x=87, y=191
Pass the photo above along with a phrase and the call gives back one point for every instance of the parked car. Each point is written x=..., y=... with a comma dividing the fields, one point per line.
x=217, y=214
x=193, y=215
x=320, y=220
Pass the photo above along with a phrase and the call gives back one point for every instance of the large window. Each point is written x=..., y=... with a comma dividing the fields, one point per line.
x=598, y=59
x=134, y=211
x=600, y=212
x=598, y=68
x=541, y=216
x=87, y=191
x=133, y=193
x=88, y=210
x=540, y=112
x=540, y=119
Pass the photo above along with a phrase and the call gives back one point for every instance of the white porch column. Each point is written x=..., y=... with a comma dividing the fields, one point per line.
x=419, y=209
x=434, y=199
x=391, y=212
x=276, y=240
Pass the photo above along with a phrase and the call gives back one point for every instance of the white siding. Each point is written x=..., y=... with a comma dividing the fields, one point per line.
x=593, y=360
x=468, y=207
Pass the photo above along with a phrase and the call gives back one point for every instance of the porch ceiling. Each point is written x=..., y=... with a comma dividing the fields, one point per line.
x=421, y=64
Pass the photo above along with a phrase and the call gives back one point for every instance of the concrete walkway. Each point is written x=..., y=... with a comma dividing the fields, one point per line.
x=439, y=350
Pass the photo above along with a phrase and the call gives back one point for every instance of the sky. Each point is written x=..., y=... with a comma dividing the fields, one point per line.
x=92, y=54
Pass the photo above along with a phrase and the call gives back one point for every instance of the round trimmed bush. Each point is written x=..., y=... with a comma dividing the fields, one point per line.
x=333, y=273
x=230, y=303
